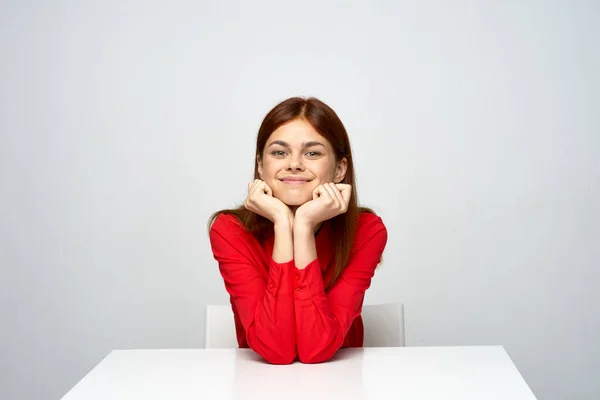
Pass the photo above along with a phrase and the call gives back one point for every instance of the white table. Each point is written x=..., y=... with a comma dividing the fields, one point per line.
x=465, y=373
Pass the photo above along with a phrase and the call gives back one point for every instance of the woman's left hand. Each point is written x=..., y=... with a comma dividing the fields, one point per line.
x=329, y=200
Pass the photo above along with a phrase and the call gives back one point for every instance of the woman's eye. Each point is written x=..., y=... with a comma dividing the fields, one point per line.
x=281, y=153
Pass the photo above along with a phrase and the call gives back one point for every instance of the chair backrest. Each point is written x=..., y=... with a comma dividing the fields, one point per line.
x=219, y=328
x=384, y=325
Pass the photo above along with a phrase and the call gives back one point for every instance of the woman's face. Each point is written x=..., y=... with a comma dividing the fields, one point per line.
x=296, y=160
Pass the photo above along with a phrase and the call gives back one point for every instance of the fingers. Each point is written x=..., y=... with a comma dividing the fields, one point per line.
x=318, y=192
x=342, y=203
x=346, y=191
x=331, y=191
x=258, y=184
x=252, y=186
x=343, y=186
x=267, y=189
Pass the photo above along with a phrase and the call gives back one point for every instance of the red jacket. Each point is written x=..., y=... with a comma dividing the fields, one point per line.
x=283, y=313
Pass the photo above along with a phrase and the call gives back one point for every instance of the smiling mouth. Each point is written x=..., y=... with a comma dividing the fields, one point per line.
x=294, y=182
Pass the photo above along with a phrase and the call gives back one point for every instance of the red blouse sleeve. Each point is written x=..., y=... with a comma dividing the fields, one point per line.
x=323, y=319
x=264, y=300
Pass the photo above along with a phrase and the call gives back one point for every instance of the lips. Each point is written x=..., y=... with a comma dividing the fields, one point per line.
x=294, y=180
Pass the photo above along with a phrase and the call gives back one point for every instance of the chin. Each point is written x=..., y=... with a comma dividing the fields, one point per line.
x=293, y=201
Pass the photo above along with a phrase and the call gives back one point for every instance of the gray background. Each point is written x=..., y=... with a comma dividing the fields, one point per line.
x=124, y=125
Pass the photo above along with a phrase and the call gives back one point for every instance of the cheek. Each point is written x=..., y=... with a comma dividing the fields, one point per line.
x=270, y=171
x=324, y=173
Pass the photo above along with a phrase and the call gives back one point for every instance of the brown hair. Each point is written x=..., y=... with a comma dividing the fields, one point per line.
x=327, y=123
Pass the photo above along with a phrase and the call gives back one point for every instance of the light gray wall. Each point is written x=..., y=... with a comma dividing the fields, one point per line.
x=125, y=124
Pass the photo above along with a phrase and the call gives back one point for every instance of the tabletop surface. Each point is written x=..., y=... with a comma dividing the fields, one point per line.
x=461, y=372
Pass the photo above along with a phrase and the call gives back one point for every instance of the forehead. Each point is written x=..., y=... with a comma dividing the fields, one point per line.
x=297, y=132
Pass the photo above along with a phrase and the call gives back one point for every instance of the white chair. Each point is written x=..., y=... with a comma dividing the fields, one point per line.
x=219, y=328
x=384, y=326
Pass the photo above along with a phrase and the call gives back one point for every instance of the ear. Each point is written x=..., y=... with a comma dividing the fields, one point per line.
x=340, y=170
x=259, y=165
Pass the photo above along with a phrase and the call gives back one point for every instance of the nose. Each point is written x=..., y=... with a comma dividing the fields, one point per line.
x=295, y=164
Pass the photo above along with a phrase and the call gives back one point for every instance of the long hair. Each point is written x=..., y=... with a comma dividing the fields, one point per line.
x=327, y=123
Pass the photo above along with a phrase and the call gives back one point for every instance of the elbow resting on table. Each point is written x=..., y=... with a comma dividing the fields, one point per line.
x=314, y=358
x=276, y=357
x=280, y=359
x=313, y=353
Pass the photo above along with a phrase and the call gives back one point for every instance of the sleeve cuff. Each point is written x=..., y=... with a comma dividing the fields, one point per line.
x=280, y=280
x=308, y=282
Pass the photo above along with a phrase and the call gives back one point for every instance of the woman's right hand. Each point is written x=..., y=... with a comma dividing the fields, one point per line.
x=261, y=201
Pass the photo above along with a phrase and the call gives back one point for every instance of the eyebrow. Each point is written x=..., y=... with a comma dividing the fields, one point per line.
x=304, y=145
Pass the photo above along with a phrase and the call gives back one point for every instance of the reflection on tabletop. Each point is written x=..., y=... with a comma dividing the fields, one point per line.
x=340, y=377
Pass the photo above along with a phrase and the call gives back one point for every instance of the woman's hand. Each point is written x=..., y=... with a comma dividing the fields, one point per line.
x=329, y=200
x=261, y=201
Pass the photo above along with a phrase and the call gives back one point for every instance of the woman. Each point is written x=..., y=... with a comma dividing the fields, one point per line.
x=300, y=253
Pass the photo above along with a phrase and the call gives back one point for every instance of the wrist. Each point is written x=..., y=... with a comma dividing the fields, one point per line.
x=284, y=220
x=302, y=225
